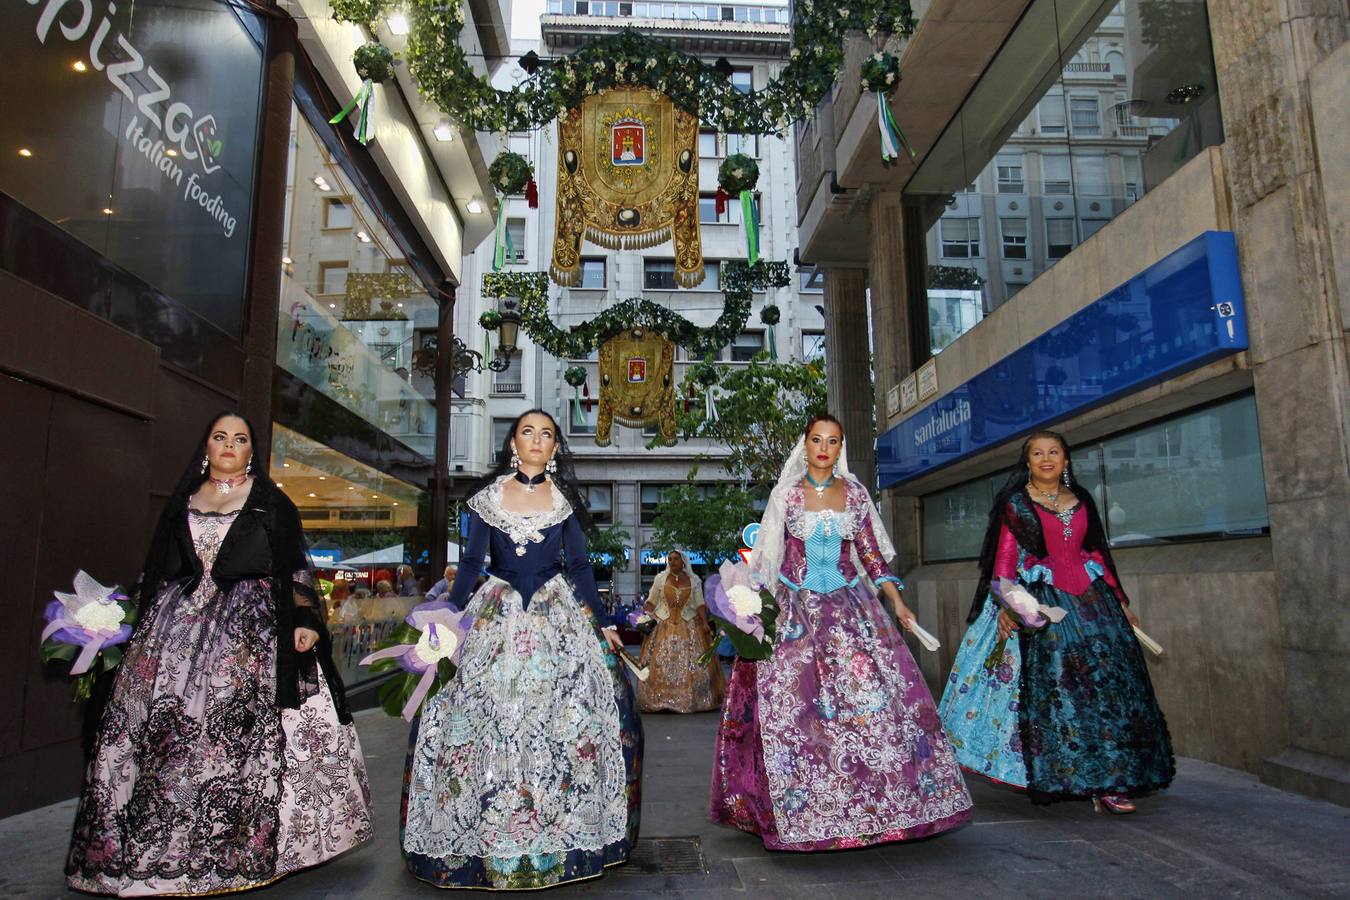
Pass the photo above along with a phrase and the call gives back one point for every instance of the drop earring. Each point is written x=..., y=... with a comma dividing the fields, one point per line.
x=248, y=469
x=551, y=466
x=206, y=462
x=1066, y=477
x=515, y=460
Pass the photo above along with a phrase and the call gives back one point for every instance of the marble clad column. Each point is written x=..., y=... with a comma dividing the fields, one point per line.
x=892, y=354
x=847, y=367
x=1285, y=209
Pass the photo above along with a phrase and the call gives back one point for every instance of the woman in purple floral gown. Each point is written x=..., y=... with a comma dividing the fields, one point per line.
x=834, y=741
x=226, y=758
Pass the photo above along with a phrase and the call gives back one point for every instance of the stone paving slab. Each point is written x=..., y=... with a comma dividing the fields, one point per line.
x=1215, y=833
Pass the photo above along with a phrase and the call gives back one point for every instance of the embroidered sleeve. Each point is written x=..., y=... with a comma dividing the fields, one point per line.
x=471, y=565
x=865, y=540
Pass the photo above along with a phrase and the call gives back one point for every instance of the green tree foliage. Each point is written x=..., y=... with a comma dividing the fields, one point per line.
x=702, y=520
x=761, y=411
x=606, y=547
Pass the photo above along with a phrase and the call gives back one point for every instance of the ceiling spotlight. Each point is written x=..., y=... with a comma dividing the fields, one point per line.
x=351, y=488
x=107, y=211
x=285, y=465
x=363, y=237
x=171, y=152
x=400, y=304
x=396, y=503
x=25, y=152
x=79, y=66
x=286, y=260
x=444, y=131
x=1187, y=93
x=398, y=24
x=312, y=494
x=332, y=306
x=279, y=484
x=474, y=206
x=323, y=477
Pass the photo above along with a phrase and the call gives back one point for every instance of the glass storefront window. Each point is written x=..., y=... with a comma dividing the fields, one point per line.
x=1066, y=152
x=135, y=129
x=1191, y=477
x=361, y=526
x=353, y=322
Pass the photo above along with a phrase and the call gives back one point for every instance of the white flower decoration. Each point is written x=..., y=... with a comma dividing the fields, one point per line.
x=101, y=615
x=446, y=643
x=745, y=600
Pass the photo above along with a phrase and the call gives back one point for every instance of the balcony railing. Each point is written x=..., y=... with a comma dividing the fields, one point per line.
x=1088, y=67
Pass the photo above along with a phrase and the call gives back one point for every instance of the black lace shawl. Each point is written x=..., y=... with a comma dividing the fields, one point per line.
x=1014, y=509
x=266, y=541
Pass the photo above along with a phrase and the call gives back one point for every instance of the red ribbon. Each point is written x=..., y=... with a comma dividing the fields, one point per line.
x=721, y=201
x=532, y=193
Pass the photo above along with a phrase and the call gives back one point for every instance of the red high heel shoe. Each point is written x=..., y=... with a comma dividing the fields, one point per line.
x=1116, y=804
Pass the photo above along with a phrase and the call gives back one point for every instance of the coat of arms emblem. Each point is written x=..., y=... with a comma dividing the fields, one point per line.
x=627, y=179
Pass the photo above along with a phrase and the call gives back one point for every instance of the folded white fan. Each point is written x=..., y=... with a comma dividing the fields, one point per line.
x=1149, y=643
x=929, y=642
x=1019, y=600
x=641, y=672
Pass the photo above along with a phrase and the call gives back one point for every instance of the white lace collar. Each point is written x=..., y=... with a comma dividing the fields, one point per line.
x=801, y=522
x=522, y=527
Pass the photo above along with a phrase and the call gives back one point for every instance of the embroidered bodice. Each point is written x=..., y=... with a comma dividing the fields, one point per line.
x=208, y=533
x=525, y=550
x=1066, y=565
x=826, y=548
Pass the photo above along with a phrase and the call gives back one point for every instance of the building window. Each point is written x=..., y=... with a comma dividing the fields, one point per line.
x=743, y=80
x=508, y=382
x=579, y=421
x=1058, y=238
x=813, y=345
x=732, y=215
x=811, y=281
x=960, y=238
x=743, y=143
x=1092, y=226
x=1085, y=116
x=600, y=501
x=658, y=274
x=1055, y=174
x=1133, y=177
x=1010, y=177
x=1014, y=238
x=593, y=274
x=501, y=430
x=332, y=278
x=515, y=240
x=1196, y=476
x=707, y=145
x=1089, y=174
x=337, y=213
x=712, y=275
x=649, y=501
x=1050, y=112
x=746, y=345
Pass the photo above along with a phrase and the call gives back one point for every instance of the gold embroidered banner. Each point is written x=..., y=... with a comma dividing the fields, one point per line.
x=627, y=179
x=637, y=384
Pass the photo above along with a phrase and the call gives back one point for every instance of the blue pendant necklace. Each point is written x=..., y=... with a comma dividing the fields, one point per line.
x=817, y=486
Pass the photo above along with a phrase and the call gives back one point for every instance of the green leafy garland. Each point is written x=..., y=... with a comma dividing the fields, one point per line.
x=441, y=68
x=738, y=280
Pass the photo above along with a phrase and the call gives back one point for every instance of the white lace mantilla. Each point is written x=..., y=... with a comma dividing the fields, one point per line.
x=521, y=527
x=521, y=753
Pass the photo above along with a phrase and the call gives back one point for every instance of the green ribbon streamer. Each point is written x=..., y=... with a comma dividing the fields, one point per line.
x=773, y=347
x=577, y=415
x=362, y=100
x=751, y=222
x=892, y=138
x=487, y=346
x=503, y=238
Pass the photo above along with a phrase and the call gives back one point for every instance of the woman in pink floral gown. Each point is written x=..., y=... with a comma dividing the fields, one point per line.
x=834, y=741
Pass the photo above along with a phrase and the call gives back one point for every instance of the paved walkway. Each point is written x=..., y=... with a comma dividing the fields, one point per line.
x=1215, y=833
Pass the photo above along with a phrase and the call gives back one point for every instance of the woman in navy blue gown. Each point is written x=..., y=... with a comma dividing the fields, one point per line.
x=523, y=772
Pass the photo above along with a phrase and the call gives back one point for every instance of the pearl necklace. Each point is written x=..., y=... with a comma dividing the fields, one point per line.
x=1065, y=516
x=817, y=486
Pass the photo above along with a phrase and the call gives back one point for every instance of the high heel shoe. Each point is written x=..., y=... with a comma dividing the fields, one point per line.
x=1115, y=804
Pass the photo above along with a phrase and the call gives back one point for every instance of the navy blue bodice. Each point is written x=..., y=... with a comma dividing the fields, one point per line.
x=525, y=551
